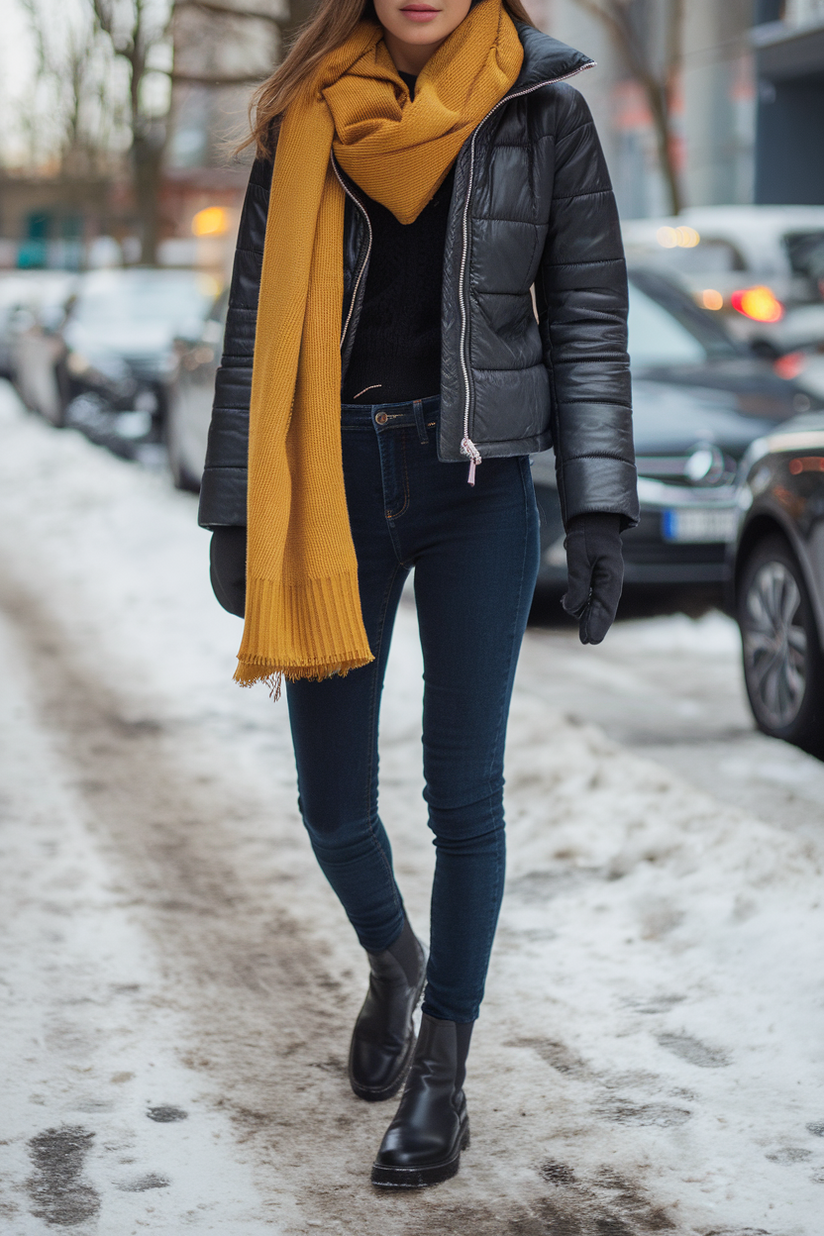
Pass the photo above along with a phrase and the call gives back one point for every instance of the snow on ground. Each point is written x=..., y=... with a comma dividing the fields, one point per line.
x=96, y=1110
x=649, y=1055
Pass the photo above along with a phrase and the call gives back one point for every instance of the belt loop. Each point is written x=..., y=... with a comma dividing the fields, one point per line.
x=420, y=421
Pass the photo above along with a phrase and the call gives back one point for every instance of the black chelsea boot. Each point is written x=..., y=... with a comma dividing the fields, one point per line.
x=383, y=1039
x=423, y=1144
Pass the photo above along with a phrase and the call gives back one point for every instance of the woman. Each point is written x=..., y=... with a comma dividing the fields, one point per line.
x=421, y=168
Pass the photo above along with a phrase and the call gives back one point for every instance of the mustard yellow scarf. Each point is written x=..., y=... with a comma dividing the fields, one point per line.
x=303, y=613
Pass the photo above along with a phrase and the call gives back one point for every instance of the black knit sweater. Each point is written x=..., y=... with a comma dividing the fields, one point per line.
x=397, y=350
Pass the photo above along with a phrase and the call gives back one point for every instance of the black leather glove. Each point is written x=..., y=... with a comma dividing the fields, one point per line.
x=596, y=572
x=227, y=568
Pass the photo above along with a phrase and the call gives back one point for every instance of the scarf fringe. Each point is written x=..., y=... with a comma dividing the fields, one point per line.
x=311, y=630
x=247, y=675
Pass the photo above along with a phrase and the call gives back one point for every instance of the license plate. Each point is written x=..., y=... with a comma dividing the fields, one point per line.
x=699, y=525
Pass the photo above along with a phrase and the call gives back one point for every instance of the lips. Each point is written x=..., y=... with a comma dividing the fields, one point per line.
x=419, y=12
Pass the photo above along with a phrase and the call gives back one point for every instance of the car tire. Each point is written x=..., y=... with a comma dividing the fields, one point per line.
x=782, y=655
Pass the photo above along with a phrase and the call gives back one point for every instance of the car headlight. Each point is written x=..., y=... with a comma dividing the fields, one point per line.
x=706, y=465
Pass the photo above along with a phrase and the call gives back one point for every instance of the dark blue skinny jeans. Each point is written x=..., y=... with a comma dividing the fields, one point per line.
x=475, y=556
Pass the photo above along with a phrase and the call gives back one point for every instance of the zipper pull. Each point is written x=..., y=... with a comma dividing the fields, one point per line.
x=469, y=448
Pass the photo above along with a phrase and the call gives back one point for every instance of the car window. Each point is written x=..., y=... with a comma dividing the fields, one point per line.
x=806, y=253
x=653, y=333
x=143, y=297
x=656, y=337
x=709, y=257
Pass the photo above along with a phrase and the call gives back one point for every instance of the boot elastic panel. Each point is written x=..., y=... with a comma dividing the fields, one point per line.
x=383, y=1039
x=423, y=1144
x=408, y=952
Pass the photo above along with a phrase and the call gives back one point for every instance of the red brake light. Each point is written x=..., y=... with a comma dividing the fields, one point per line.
x=790, y=366
x=759, y=304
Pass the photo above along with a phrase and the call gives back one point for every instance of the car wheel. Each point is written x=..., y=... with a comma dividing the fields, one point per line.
x=783, y=661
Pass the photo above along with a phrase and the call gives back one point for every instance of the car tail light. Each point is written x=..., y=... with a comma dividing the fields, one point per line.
x=791, y=365
x=759, y=304
x=808, y=463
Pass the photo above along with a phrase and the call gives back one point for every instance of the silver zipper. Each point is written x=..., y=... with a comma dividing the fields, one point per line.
x=365, y=261
x=468, y=447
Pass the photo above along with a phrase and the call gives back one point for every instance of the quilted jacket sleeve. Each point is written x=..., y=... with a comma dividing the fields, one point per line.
x=223, y=489
x=581, y=293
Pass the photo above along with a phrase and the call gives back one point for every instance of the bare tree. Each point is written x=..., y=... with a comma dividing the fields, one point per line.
x=658, y=75
x=85, y=111
x=76, y=114
x=137, y=30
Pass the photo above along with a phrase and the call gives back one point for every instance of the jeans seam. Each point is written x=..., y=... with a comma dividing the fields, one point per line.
x=492, y=910
x=405, y=506
x=373, y=735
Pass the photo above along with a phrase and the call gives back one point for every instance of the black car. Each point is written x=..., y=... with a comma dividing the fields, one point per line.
x=778, y=575
x=110, y=348
x=700, y=398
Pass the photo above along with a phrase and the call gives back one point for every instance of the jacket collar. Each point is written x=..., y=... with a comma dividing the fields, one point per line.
x=546, y=59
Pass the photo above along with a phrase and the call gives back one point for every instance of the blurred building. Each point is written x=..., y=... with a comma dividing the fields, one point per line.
x=49, y=220
x=788, y=40
x=219, y=55
x=748, y=106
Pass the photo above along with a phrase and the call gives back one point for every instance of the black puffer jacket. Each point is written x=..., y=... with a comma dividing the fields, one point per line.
x=532, y=207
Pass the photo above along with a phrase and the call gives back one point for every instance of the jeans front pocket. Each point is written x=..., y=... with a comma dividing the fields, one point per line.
x=393, y=446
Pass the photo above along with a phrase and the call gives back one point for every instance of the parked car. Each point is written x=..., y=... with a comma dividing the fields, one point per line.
x=700, y=398
x=14, y=288
x=760, y=267
x=110, y=347
x=27, y=296
x=190, y=395
x=778, y=573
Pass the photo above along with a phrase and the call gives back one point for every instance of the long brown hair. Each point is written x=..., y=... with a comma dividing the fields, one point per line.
x=331, y=26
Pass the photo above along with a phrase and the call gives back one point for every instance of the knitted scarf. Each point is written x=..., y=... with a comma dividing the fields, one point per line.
x=303, y=613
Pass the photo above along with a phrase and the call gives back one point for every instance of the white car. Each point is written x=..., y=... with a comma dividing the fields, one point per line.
x=762, y=267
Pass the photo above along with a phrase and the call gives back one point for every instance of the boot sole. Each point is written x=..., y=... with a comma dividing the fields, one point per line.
x=420, y=1177
x=370, y=1094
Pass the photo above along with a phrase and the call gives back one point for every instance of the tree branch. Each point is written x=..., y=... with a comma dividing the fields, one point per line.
x=659, y=93
x=606, y=18
x=204, y=79
x=226, y=10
